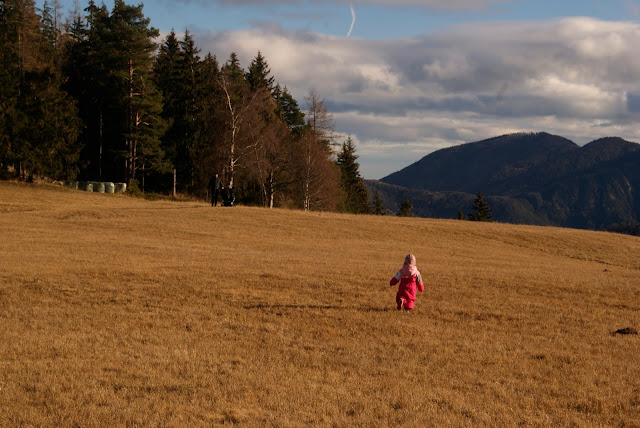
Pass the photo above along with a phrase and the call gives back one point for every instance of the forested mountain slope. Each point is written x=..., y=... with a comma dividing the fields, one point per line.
x=527, y=178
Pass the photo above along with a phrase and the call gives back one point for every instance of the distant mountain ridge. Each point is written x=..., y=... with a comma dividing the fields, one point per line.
x=527, y=178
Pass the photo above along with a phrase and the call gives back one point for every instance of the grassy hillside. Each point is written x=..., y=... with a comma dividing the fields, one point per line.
x=124, y=312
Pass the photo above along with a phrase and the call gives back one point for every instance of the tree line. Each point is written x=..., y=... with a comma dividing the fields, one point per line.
x=98, y=99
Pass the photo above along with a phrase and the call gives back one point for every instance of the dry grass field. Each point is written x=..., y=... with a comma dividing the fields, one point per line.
x=121, y=312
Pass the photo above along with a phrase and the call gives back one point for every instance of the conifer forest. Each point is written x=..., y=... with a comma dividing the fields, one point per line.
x=96, y=94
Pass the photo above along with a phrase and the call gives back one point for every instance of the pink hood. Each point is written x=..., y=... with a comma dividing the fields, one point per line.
x=408, y=270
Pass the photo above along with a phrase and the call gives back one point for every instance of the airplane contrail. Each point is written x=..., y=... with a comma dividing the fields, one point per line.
x=353, y=19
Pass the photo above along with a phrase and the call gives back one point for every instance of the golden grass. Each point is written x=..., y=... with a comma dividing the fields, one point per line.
x=123, y=312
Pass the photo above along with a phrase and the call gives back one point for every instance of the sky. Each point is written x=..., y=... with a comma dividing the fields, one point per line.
x=404, y=78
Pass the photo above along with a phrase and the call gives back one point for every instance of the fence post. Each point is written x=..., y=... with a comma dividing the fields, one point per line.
x=174, y=182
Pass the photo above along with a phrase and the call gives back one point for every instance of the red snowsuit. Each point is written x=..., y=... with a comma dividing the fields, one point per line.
x=410, y=282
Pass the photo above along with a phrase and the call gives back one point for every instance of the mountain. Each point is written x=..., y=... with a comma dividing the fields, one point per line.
x=526, y=178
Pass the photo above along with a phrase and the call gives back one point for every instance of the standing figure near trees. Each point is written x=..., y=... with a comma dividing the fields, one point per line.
x=228, y=197
x=214, y=186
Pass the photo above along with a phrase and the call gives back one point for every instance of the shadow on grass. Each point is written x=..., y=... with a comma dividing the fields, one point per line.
x=318, y=307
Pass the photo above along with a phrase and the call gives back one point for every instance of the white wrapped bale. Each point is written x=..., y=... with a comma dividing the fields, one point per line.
x=120, y=187
x=87, y=186
x=109, y=188
x=98, y=187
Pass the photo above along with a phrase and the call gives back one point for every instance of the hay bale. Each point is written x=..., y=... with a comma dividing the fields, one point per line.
x=109, y=188
x=87, y=186
x=120, y=187
x=72, y=184
x=98, y=187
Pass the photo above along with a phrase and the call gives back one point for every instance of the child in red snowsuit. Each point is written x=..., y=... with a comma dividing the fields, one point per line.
x=410, y=282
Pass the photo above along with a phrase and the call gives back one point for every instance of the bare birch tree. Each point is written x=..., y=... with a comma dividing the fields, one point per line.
x=272, y=159
x=317, y=175
x=239, y=115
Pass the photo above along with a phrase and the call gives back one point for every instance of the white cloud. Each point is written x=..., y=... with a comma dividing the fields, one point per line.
x=450, y=5
x=403, y=98
x=437, y=4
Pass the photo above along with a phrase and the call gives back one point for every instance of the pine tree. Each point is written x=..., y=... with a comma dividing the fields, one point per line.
x=208, y=142
x=38, y=123
x=189, y=84
x=378, y=207
x=233, y=70
x=481, y=210
x=166, y=72
x=132, y=40
x=288, y=110
x=10, y=115
x=354, y=193
x=259, y=74
x=405, y=208
x=19, y=42
x=109, y=64
x=56, y=124
x=147, y=131
x=177, y=71
x=49, y=30
x=86, y=65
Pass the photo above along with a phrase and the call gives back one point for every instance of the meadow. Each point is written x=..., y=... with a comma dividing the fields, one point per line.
x=123, y=312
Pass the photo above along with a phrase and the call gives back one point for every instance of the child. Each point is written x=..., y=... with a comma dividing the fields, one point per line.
x=409, y=278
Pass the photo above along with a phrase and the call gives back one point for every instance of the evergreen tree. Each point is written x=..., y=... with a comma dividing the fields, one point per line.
x=10, y=72
x=232, y=70
x=54, y=129
x=190, y=78
x=50, y=31
x=288, y=110
x=378, y=207
x=109, y=63
x=143, y=115
x=481, y=210
x=354, y=193
x=167, y=77
x=177, y=71
x=460, y=214
x=405, y=208
x=208, y=155
x=132, y=40
x=259, y=74
x=86, y=65
x=147, y=131
x=56, y=125
x=38, y=121
x=166, y=69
